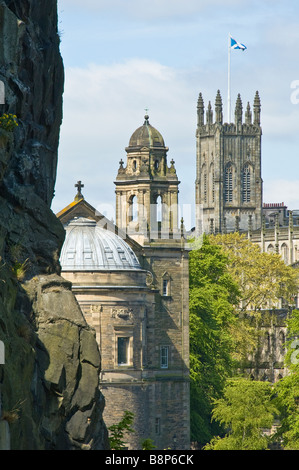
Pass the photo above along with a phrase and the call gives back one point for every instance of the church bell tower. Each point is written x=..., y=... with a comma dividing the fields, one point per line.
x=228, y=183
x=147, y=188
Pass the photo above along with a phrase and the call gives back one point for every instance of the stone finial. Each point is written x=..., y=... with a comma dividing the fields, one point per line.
x=182, y=228
x=209, y=114
x=172, y=167
x=218, y=108
x=248, y=115
x=238, y=110
x=79, y=195
x=200, y=110
x=257, y=109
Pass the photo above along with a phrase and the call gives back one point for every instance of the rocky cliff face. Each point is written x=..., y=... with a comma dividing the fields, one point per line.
x=49, y=382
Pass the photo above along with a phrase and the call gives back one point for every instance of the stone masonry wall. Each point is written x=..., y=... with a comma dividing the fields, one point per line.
x=48, y=381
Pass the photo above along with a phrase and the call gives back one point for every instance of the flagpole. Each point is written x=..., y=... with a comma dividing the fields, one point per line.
x=228, y=81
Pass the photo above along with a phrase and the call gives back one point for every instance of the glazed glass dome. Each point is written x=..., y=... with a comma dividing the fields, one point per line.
x=88, y=247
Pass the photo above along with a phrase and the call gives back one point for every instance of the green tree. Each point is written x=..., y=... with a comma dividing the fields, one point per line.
x=246, y=410
x=264, y=281
x=148, y=444
x=263, y=278
x=287, y=389
x=117, y=431
x=213, y=297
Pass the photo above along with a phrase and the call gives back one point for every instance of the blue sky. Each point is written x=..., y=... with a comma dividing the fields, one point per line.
x=122, y=56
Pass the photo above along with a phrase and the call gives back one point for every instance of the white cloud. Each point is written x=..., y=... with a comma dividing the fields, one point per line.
x=103, y=105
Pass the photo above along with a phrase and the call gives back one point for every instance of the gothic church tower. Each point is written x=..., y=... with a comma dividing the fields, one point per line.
x=228, y=168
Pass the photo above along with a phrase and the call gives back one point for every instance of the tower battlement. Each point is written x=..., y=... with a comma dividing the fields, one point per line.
x=228, y=166
x=206, y=124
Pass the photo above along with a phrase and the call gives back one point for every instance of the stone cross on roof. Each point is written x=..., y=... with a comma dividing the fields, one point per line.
x=79, y=195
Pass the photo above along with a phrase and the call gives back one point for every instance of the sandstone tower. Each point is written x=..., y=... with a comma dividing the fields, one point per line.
x=147, y=189
x=228, y=168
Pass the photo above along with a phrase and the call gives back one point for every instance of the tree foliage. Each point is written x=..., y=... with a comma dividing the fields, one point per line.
x=117, y=431
x=246, y=409
x=213, y=297
x=288, y=389
x=263, y=278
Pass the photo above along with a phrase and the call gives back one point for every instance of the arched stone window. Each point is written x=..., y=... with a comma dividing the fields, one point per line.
x=246, y=184
x=166, y=285
x=159, y=208
x=284, y=250
x=133, y=209
x=270, y=248
x=228, y=183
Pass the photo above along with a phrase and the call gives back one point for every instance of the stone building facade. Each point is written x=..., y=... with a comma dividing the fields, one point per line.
x=131, y=281
x=229, y=198
x=267, y=361
x=228, y=187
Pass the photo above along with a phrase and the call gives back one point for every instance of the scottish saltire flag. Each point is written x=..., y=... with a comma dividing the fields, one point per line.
x=236, y=45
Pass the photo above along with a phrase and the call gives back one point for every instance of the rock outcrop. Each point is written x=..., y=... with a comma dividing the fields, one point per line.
x=49, y=382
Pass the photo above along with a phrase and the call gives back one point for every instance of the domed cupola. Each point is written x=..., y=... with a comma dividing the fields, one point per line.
x=146, y=136
x=89, y=247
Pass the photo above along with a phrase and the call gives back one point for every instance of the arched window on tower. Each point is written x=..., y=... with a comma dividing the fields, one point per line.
x=246, y=184
x=133, y=209
x=228, y=183
x=159, y=209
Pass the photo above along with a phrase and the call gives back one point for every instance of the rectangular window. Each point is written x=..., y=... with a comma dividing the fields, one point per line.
x=164, y=357
x=123, y=350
